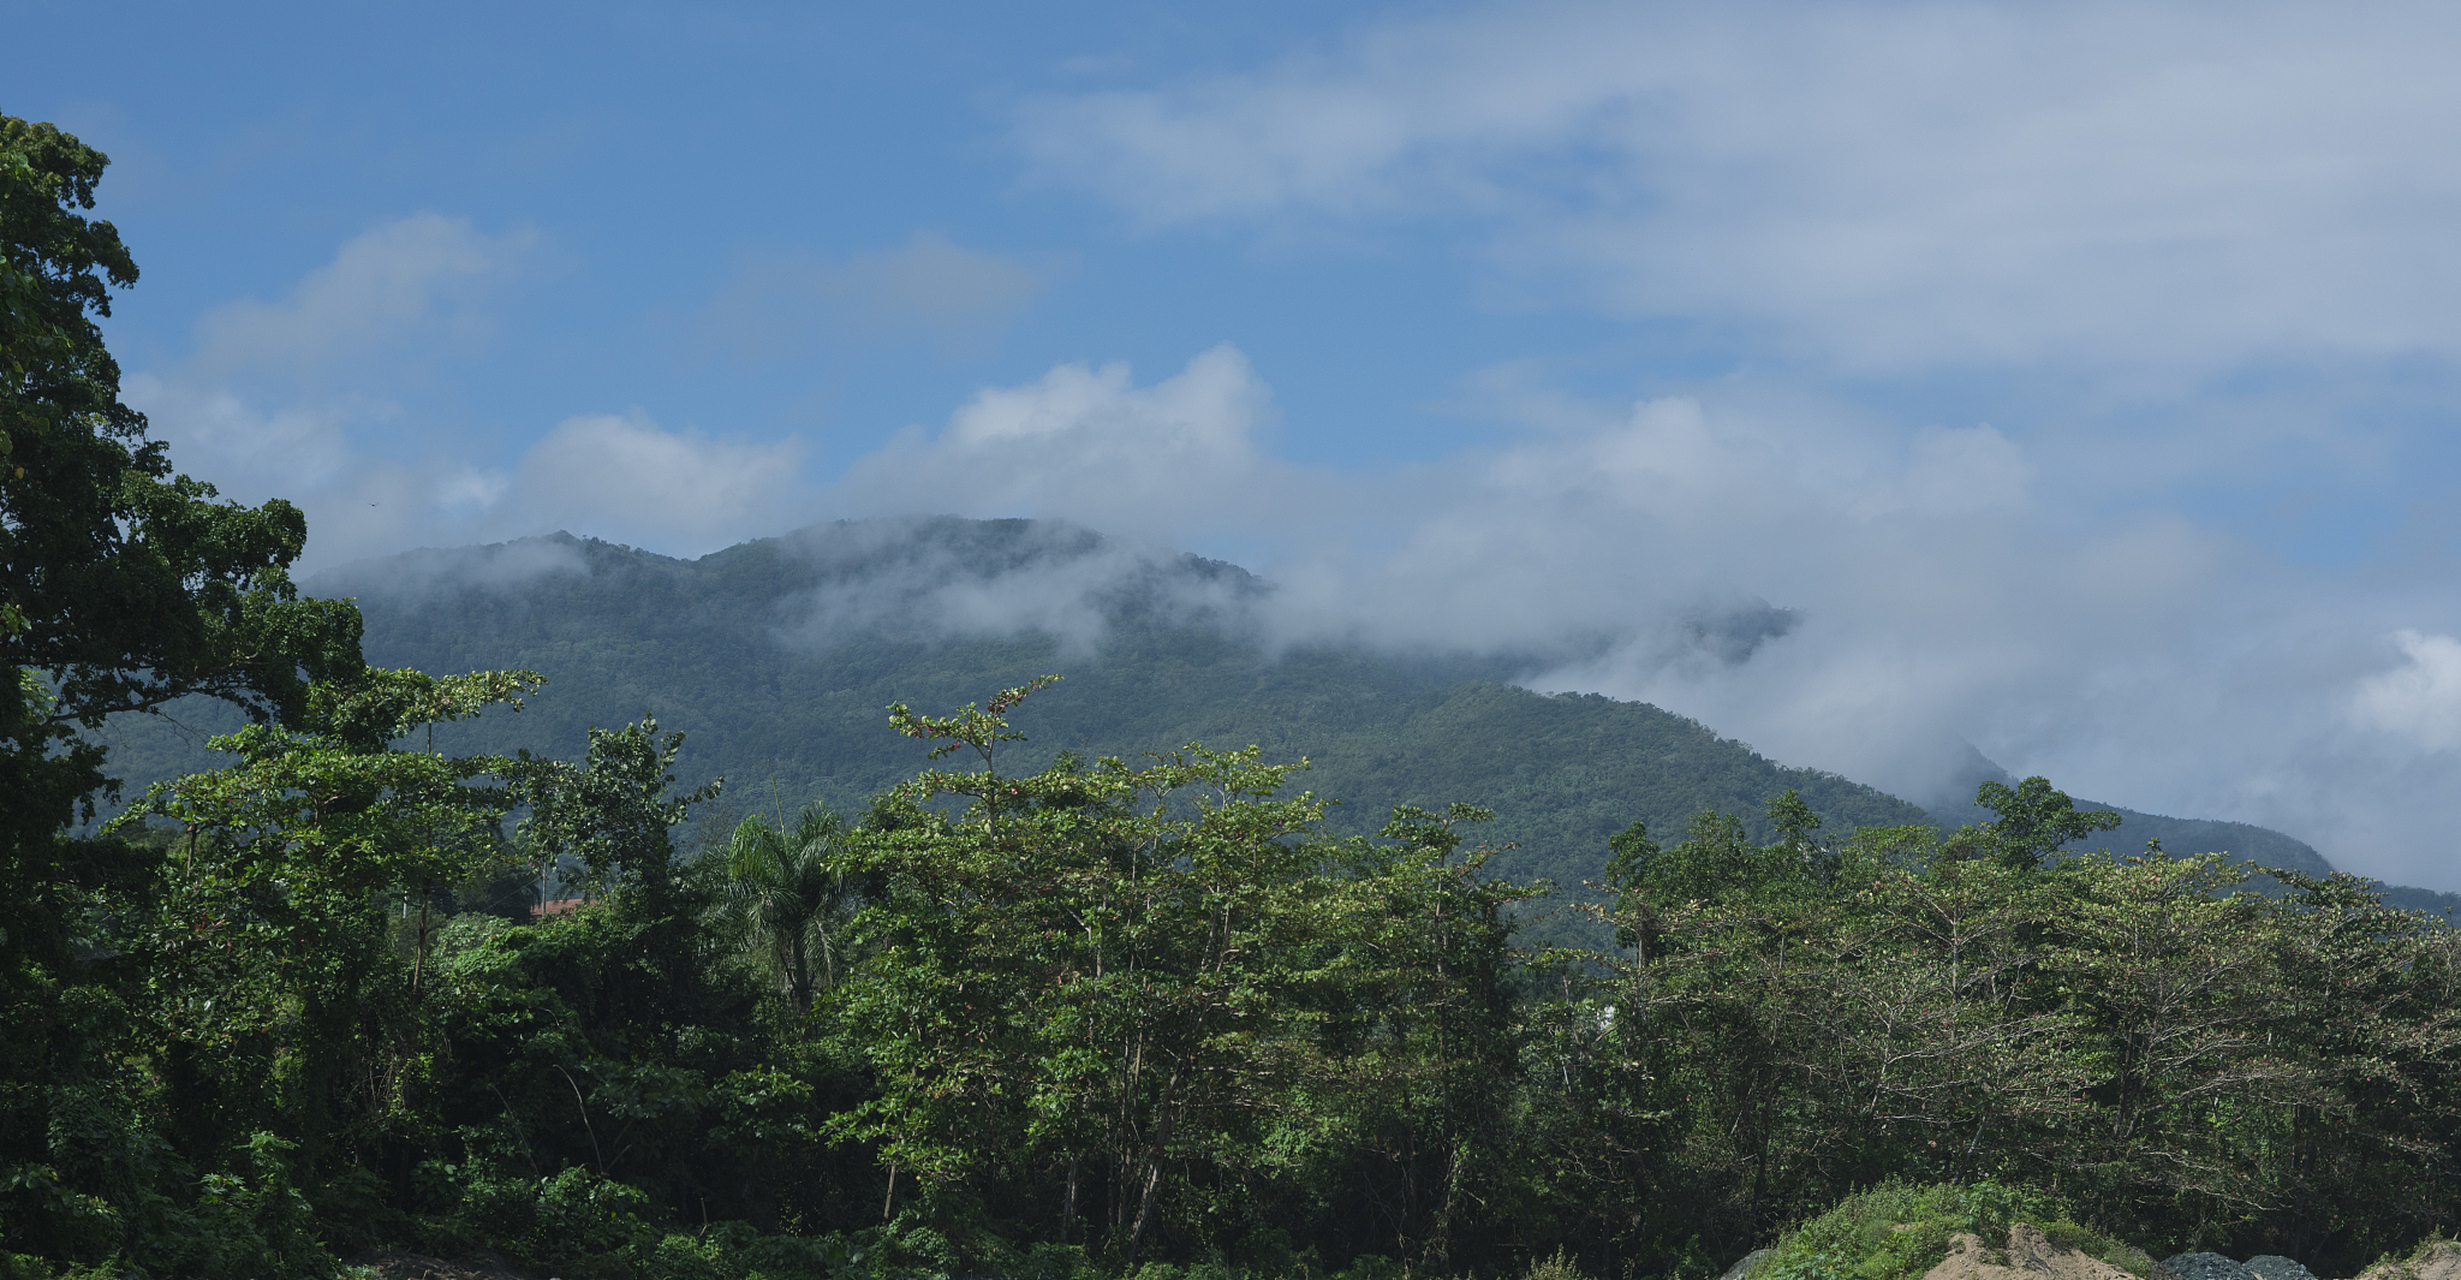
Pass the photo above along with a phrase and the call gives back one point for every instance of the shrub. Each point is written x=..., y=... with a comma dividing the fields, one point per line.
x=1559, y=1267
x=253, y=1225
x=1895, y=1231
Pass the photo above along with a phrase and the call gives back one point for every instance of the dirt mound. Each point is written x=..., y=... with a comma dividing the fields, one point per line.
x=2438, y=1261
x=393, y=1264
x=2029, y=1256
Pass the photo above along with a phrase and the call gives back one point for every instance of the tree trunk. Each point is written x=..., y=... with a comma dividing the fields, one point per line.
x=1068, y=1202
x=1153, y=1187
x=418, y=964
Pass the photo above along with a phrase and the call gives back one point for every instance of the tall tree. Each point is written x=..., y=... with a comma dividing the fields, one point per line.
x=123, y=586
x=615, y=814
x=793, y=891
x=2036, y=820
x=1161, y=987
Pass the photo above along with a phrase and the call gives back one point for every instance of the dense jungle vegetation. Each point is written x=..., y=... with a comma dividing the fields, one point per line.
x=1046, y=1015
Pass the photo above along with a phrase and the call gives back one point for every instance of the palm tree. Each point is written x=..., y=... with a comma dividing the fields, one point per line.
x=791, y=891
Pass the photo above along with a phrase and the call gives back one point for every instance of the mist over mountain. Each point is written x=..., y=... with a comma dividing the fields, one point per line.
x=778, y=656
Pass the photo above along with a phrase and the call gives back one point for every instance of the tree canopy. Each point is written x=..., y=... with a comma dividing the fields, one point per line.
x=123, y=585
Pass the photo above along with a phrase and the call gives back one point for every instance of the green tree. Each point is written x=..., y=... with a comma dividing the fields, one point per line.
x=2176, y=979
x=1060, y=971
x=1927, y=1016
x=2036, y=820
x=270, y=1028
x=615, y=813
x=1164, y=989
x=123, y=586
x=1425, y=1039
x=793, y=892
x=607, y=1069
x=1795, y=824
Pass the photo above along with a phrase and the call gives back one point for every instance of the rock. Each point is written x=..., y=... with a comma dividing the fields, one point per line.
x=2273, y=1266
x=1750, y=1263
x=2029, y=1249
x=2208, y=1266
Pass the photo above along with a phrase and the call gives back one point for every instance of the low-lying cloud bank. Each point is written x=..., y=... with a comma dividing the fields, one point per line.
x=1840, y=596
x=929, y=578
x=1925, y=592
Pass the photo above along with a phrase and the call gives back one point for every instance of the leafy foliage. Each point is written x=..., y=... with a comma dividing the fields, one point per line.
x=122, y=587
x=1095, y=1013
x=1896, y=1230
x=2036, y=820
x=792, y=894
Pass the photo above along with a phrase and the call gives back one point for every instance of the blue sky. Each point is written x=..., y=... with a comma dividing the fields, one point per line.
x=2084, y=372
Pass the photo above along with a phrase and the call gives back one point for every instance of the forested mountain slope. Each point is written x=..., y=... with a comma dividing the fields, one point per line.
x=2242, y=841
x=778, y=656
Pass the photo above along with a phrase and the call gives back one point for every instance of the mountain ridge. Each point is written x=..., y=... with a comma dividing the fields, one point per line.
x=777, y=655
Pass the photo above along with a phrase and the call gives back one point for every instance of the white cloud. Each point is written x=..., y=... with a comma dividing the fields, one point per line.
x=1089, y=443
x=618, y=477
x=780, y=305
x=214, y=432
x=379, y=283
x=1883, y=187
x=1942, y=589
x=471, y=489
x=2138, y=660
x=2420, y=701
x=626, y=479
x=249, y=409
x=499, y=565
x=1971, y=470
x=903, y=576
x=252, y=407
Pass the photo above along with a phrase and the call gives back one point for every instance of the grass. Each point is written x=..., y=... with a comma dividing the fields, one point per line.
x=1559, y=1267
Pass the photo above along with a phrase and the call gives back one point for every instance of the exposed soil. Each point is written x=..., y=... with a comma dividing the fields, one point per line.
x=2442, y=1261
x=2028, y=1257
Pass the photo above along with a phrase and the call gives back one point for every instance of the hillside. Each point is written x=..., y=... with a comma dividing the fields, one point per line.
x=778, y=656
x=2242, y=841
